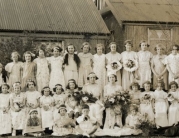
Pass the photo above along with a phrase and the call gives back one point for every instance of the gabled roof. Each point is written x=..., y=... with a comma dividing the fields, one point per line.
x=145, y=10
x=60, y=16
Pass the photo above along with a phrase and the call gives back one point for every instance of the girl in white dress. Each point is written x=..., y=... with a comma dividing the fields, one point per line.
x=60, y=98
x=5, y=116
x=135, y=93
x=161, y=105
x=114, y=57
x=56, y=74
x=86, y=59
x=42, y=75
x=147, y=102
x=47, y=104
x=18, y=110
x=128, y=77
x=99, y=66
x=172, y=61
x=33, y=97
x=144, y=59
x=110, y=89
x=173, y=111
x=14, y=69
x=71, y=87
x=71, y=64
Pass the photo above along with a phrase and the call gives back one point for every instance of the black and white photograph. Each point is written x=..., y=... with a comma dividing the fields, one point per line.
x=89, y=68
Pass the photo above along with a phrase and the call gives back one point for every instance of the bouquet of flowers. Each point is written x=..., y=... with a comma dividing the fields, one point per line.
x=146, y=98
x=170, y=97
x=114, y=66
x=119, y=98
x=130, y=65
x=18, y=105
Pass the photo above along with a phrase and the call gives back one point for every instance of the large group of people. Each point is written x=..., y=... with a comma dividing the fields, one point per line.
x=68, y=93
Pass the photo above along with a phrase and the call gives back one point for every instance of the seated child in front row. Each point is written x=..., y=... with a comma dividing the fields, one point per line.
x=147, y=102
x=34, y=124
x=64, y=125
x=132, y=122
x=135, y=93
x=86, y=126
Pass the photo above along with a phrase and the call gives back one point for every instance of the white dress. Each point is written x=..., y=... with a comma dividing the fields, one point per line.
x=32, y=98
x=144, y=70
x=127, y=77
x=114, y=58
x=161, y=107
x=47, y=116
x=99, y=69
x=42, y=75
x=146, y=106
x=110, y=119
x=172, y=61
x=5, y=117
x=14, y=69
x=71, y=70
x=56, y=75
x=173, y=111
x=95, y=109
x=18, y=118
x=59, y=99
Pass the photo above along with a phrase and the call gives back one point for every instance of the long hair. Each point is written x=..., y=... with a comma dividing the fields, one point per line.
x=76, y=59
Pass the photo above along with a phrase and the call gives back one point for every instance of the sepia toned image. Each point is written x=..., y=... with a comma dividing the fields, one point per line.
x=89, y=68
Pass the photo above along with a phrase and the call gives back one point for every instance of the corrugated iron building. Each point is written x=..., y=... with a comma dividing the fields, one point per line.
x=57, y=21
x=156, y=21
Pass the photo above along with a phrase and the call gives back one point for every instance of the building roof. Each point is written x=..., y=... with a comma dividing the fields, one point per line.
x=59, y=16
x=145, y=10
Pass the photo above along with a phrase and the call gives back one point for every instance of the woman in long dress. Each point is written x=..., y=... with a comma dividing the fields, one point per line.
x=110, y=89
x=144, y=60
x=158, y=68
x=56, y=74
x=128, y=77
x=42, y=75
x=99, y=63
x=14, y=69
x=71, y=64
x=86, y=59
x=114, y=57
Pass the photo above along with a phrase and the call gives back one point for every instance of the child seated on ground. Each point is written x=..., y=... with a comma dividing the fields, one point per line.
x=87, y=126
x=34, y=124
x=64, y=125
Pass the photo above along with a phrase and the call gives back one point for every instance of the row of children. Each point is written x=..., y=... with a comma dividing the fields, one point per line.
x=137, y=66
x=17, y=105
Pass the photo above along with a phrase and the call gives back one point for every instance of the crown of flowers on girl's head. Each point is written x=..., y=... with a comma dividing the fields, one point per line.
x=128, y=42
x=71, y=81
x=56, y=86
x=46, y=88
x=100, y=45
x=28, y=81
x=91, y=74
x=62, y=107
x=86, y=44
x=16, y=84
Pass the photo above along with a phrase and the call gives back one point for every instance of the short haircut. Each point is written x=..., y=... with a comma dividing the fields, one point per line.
x=173, y=83
x=135, y=84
